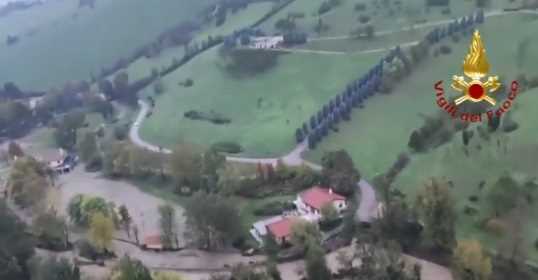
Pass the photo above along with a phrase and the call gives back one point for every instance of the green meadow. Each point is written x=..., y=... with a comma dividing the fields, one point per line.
x=242, y=18
x=265, y=109
x=59, y=42
x=381, y=130
x=344, y=18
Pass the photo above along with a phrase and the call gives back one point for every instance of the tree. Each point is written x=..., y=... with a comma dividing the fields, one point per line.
x=168, y=225
x=316, y=265
x=15, y=119
x=328, y=212
x=185, y=165
x=339, y=172
x=51, y=231
x=14, y=150
x=131, y=269
x=81, y=208
x=88, y=147
x=436, y=207
x=66, y=130
x=270, y=246
x=416, y=143
x=504, y=195
x=471, y=262
x=158, y=86
x=106, y=87
x=27, y=183
x=121, y=83
x=126, y=219
x=101, y=231
x=54, y=269
x=272, y=270
x=304, y=233
x=512, y=248
x=285, y=24
x=212, y=220
x=16, y=246
x=211, y=162
x=494, y=123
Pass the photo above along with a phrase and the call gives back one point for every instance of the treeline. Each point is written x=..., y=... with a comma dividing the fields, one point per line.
x=339, y=108
x=273, y=11
x=376, y=79
x=18, y=6
x=11, y=91
x=209, y=43
x=181, y=34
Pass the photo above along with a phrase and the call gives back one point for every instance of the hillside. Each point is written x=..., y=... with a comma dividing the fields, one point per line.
x=64, y=42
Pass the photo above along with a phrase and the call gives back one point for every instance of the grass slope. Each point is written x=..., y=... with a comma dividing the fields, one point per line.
x=381, y=130
x=291, y=92
x=343, y=18
x=71, y=43
x=242, y=18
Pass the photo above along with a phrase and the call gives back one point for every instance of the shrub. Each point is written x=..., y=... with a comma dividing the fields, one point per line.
x=324, y=7
x=327, y=225
x=188, y=83
x=364, y=18
x=121, y=131
x=509, y=125
x=444, y=49
x=227, y=147
x=247, y=62
x=87, y=250
x=158, y=86
x=273, y=208
x=473, y=198
x=470, y=210
x=495, y=226
x=360, y=7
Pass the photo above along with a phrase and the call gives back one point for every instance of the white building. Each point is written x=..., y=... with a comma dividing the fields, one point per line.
x=267, y=42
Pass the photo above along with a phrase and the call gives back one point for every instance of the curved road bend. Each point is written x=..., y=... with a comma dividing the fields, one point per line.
x=367, y=199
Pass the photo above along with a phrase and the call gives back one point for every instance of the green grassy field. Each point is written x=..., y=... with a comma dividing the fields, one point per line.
x=381, y=130
x=287, y=95
x=70, y=43
x=363, y=44
x=343, y=18
x=242, y=18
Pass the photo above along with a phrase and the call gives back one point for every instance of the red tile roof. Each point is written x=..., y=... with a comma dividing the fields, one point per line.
x=281, y=228
x=152, y=240
x=317, y=196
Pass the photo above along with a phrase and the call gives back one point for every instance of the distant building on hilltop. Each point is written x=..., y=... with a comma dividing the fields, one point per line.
x=266, y=42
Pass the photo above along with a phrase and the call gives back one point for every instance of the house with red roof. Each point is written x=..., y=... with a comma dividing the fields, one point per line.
x=310, y=202
x=281, y=230
x=153, y=242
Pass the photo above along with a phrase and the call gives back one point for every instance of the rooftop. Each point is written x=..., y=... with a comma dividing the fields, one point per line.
x=280, y=228
x=316, y=197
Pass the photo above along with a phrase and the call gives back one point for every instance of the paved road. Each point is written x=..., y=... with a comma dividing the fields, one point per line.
x=292, y=158
x=367, y=200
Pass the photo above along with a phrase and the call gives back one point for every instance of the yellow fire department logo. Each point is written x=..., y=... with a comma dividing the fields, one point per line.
x=476, y=67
